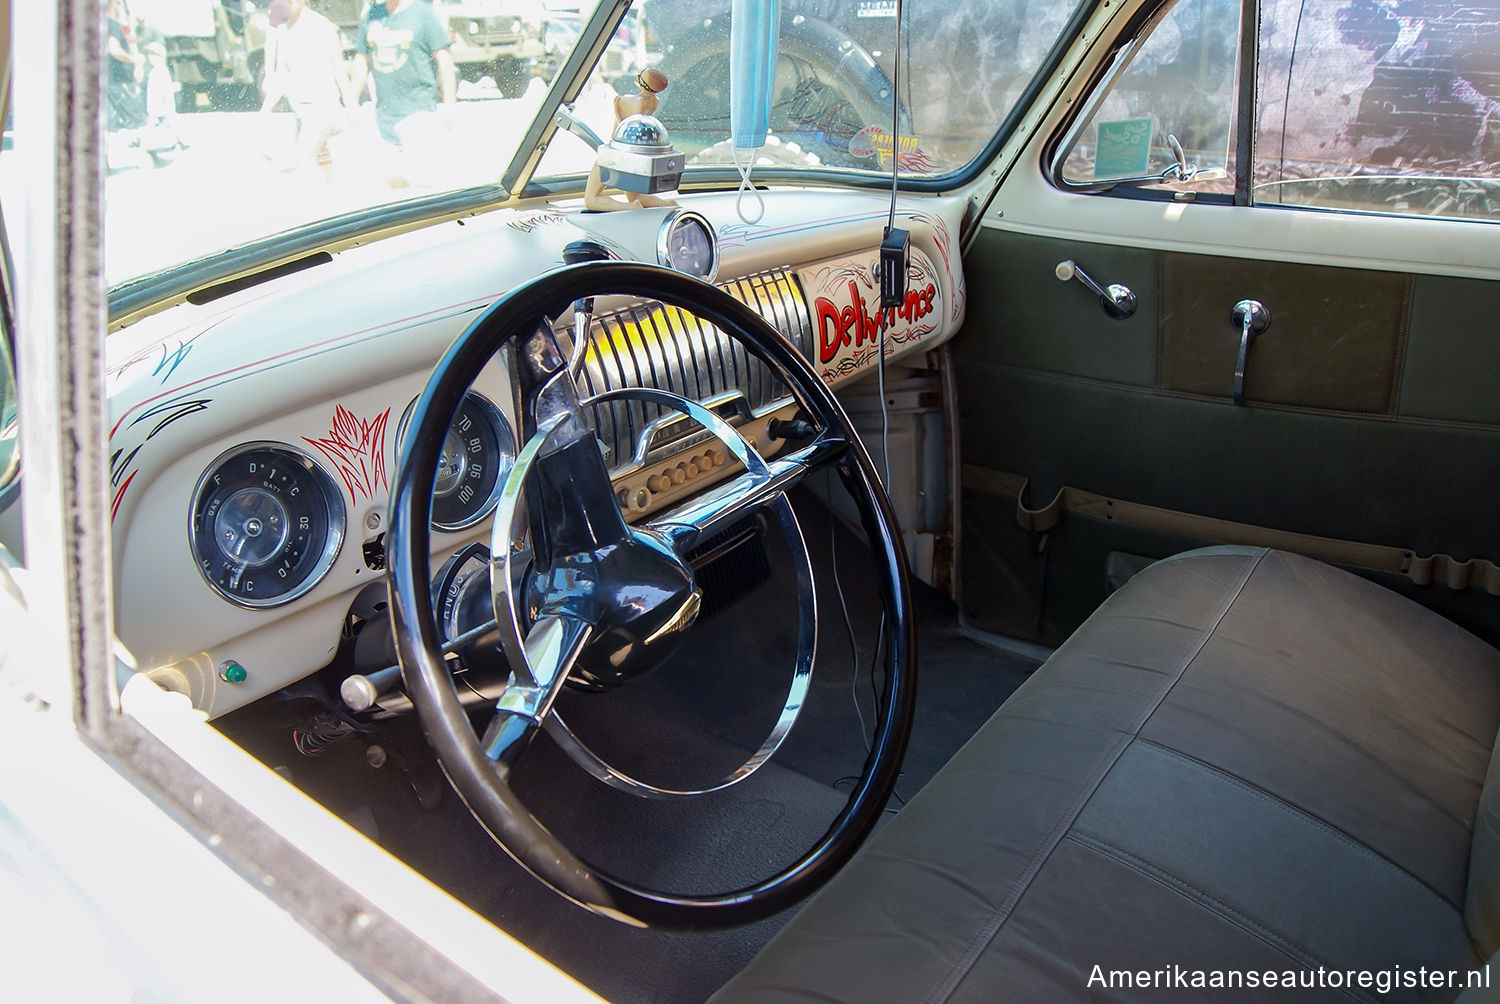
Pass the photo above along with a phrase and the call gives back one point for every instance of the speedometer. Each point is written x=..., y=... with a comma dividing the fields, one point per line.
x=267, y=524
x=687, y=244
x=478, y=450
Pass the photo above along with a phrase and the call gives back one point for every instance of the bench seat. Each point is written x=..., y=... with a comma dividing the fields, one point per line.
x=1245, y=760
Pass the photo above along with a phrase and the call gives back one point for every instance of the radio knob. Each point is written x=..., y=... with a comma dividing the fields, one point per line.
x=658, y=483
x=678, y=474
x=688, y=469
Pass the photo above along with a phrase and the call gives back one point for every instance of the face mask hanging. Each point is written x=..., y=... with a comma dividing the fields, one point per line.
x=754, y=28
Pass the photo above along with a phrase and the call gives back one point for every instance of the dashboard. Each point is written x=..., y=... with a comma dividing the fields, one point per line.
x=254, y=438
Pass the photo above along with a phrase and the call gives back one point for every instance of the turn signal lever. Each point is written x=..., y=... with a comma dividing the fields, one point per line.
x=583, y=310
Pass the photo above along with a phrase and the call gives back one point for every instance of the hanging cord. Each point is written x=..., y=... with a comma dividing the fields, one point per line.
x=890, y=223
x=746, y=186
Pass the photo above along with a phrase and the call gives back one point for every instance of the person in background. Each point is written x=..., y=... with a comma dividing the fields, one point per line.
x=305, y=64
x=160, y=133
x=146, y=32
x=402, y=47
x=126, y=103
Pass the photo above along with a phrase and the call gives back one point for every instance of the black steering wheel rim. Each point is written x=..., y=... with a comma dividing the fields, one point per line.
x=443, y=718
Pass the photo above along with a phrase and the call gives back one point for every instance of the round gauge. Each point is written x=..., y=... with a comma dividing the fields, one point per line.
x=266, y=525
x=688, y=244
x=477, y=453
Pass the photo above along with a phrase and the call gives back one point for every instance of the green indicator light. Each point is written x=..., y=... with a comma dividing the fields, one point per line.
x=232, y=672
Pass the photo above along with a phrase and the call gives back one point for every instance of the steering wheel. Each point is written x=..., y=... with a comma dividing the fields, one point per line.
x=605, y=601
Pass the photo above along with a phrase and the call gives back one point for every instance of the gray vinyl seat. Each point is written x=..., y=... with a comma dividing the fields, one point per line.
x=1245, y=760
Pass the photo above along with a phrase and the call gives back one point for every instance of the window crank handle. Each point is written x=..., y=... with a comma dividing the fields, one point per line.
x=1115, y=299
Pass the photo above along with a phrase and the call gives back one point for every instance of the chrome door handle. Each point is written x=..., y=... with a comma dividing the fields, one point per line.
x=1115, y=300
x=1252, y=317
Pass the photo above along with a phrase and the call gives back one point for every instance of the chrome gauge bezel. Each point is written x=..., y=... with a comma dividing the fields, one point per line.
x=505, y=443
x=669, y=225
x=311, y=476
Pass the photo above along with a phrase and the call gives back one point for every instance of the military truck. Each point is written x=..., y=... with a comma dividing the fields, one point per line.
x=501, y=39
x=215, y=49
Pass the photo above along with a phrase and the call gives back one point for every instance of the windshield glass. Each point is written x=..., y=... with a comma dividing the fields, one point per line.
x=229, y=121
x=963, y=66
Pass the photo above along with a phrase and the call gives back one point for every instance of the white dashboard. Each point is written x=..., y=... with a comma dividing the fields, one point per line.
x=253, y=437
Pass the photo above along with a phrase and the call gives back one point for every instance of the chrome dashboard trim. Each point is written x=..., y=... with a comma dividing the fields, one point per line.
x=651, y=345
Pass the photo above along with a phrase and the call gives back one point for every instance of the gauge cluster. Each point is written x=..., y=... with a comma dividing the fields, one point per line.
x=268, y=521
x=267, y=524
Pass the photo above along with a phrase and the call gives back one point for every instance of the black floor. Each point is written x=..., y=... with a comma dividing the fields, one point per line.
x=686, y=724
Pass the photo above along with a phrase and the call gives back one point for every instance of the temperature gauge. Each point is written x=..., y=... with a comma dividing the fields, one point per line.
x=267, y=524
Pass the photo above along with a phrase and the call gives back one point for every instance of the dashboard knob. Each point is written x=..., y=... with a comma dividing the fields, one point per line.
x=678, y=474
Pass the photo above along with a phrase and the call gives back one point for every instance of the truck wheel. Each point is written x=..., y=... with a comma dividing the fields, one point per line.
x=831, y=89
x=513, y=75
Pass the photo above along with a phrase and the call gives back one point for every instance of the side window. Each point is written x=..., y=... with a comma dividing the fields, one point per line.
x=1380, y=105
x=1176, y=83
x=1385, y=106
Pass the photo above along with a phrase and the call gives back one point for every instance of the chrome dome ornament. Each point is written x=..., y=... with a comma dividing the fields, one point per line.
x=639, y=157
x=641, y=134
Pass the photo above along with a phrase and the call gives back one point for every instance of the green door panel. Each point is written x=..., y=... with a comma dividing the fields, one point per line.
x=1375, y=418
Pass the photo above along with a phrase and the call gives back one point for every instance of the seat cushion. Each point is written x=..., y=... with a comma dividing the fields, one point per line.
x=1244, y=761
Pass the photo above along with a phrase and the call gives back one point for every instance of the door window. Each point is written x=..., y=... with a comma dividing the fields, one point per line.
x=1386, y=106
x=1172, y=95
x=1380, y=105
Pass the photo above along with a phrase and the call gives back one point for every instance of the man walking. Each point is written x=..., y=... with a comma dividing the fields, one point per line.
x=306, y=66
x=403, y=44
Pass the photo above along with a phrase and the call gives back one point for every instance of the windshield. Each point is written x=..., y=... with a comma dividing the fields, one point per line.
x=228, y=121
x=963, y=66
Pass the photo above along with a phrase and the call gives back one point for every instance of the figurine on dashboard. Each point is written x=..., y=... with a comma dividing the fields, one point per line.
x=650, y=83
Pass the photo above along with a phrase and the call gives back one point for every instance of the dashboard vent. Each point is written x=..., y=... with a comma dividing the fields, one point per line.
x=652, y=345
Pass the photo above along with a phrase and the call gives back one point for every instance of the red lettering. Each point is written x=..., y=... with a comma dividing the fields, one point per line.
x=831, y=334
x=854, y=324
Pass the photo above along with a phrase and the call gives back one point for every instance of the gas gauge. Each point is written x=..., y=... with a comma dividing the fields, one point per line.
x=267, y=524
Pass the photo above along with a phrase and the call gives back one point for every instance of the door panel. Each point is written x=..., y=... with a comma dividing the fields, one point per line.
x=1334, y=341
x=1371, y=414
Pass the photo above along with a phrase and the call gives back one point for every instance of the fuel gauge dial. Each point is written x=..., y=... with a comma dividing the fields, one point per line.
x=267, y=524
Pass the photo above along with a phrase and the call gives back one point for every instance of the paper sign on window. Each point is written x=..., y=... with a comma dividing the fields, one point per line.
x=1124, y=148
